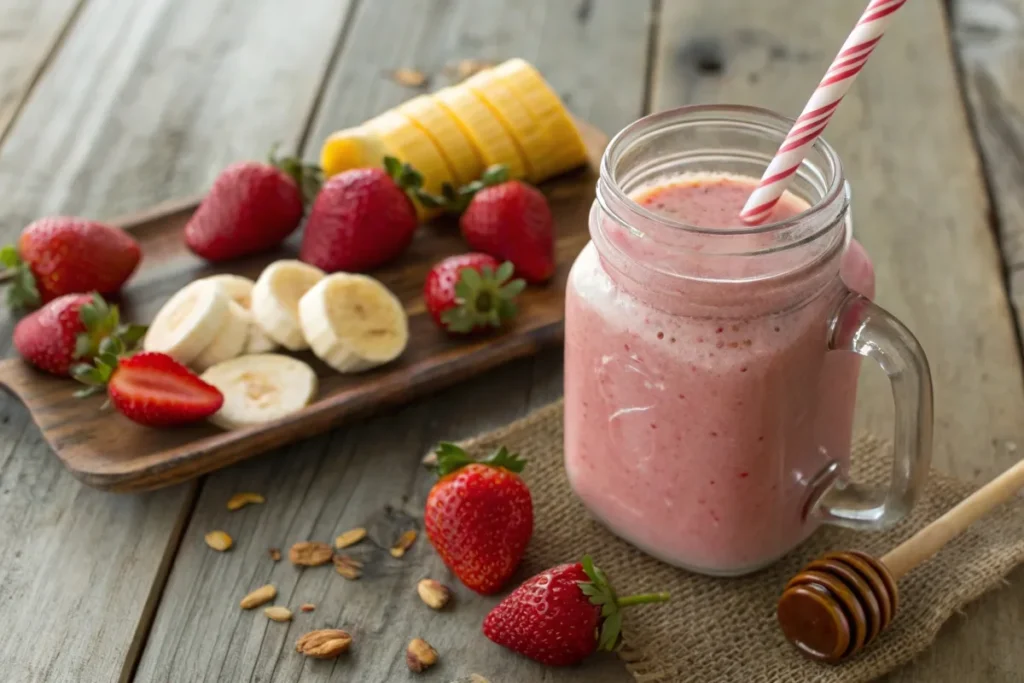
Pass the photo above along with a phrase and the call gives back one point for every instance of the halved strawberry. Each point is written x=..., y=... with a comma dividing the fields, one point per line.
x=152, y=389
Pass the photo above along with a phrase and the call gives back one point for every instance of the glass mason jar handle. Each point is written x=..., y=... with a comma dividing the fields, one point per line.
x=864, y=328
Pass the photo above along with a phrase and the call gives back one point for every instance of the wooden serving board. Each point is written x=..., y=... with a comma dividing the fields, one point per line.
x=107, y=451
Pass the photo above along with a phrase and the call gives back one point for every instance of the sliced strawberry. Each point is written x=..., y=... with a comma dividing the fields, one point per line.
x=152, y=389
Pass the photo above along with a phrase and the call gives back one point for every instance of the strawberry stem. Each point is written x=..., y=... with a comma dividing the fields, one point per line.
x=455, y=200
x=308, y=177
x=601, y=595
x=22, y=292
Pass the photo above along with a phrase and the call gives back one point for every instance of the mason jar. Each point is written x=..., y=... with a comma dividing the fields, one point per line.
x=711, y=367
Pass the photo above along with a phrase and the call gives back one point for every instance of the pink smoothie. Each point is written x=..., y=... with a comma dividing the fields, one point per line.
x=696, y=436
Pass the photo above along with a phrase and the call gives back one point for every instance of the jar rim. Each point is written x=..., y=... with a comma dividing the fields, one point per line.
x=769, y=119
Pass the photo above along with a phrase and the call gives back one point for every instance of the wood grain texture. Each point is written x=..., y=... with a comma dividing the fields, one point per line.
x=920, y=209
x=989, y=36
x=112, y=126
x=324, y=486
x=105, y=450
x=30, y=33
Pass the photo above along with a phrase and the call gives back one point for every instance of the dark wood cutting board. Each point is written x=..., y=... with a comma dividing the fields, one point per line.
x=107, y=451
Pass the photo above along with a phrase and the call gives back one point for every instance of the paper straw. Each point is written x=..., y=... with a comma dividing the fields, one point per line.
x=819, y=109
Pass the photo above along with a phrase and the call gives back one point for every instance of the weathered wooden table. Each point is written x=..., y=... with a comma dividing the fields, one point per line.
x=109, y=106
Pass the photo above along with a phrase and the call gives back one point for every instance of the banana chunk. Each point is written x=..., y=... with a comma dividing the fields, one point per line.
x=260, y=388
x=240, y=290
x=275, y=300
x=189, y=321
x=353, y=322
x=229, y=341
x=357, y=147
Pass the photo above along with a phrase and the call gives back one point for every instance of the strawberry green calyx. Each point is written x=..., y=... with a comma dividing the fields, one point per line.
x=22, y=292
x=455, y=200
x=406, y=177
x=601, y=594
x=308, y=177
x=451, y=458
x=104, y=340
x=484, y=298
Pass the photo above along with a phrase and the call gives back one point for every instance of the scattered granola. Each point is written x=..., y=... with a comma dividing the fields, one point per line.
x=348, y=567
x=277, y=613
x=218, y=540
x=350, y=537
x=325, y=643
x=310, y=553
x=307, y=607
x=433, y=593
x=240, y=500
x=275, y=554
x=420, y=656
x=410, y=78
x=260, y=596
x=403, y=543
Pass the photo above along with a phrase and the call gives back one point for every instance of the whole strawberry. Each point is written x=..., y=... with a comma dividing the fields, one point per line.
x=252, y=207
x=362, y=218
x=151, y=389
x=479, y=516
x=471, y=292
x=562, y=615
x=507, y=219
x=62, y=255
x=71, y=328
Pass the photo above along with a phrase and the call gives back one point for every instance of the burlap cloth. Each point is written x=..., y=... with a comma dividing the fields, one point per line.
x=724, y=630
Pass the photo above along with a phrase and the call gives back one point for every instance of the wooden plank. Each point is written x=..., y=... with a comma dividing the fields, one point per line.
x=112, y=126
x=320, y=488
x=990, y=40
x=920, y=209
x=30, y=34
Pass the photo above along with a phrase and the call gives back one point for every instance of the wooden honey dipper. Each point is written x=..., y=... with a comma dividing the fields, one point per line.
x=838, y=604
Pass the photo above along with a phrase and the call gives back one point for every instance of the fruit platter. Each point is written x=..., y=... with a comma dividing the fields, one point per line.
x=431, y=243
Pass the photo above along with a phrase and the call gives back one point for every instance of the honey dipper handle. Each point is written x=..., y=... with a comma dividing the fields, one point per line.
x=933, y=537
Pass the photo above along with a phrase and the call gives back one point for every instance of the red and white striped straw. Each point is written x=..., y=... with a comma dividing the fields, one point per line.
x=823, y=103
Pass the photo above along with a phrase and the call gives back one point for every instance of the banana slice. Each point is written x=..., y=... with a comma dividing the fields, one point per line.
x=189, y=321
x=275, y=300
x=356, y=147
x=453, y=144
x=260, y=388
x=530, y=138
x=353, y=322
x=567, y=148
x=494, y=144
x=229, y=341
x=240, y=290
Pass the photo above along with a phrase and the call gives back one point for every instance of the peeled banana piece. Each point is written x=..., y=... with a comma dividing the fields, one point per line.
x=240, y=290
x=275, y=300
x=353, y=322
x=260, y=388
x=188, y=323
x=228, y=342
